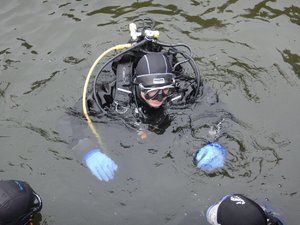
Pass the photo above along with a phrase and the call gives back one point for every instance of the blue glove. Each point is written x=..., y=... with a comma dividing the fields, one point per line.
x=100, y=165
x=211, y=157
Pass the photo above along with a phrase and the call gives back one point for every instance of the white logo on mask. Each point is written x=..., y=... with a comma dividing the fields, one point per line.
x=158, y=80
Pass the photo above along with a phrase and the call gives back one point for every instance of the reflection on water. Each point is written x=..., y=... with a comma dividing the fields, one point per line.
x=292, y=59
x=265, y=12
x=247, y=51
x=41, y=83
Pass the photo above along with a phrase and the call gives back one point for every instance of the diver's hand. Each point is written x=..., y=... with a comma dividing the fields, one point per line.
x=100, y=165
x=211, y=157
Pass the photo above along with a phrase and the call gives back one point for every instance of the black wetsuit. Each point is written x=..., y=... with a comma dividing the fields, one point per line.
x=117, y=95
x=126, y=107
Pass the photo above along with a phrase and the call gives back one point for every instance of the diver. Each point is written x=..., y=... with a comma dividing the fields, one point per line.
x=237, y=209
x=137, y=86
x=149, y=77
x=18, y=203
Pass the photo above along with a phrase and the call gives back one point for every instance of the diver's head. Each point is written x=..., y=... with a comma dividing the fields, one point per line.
x=18, y=203
x=154, y=79
x=237, y=209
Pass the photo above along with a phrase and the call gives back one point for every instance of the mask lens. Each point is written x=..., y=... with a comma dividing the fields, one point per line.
x=159, y=93
x=152, y=93
x=168, y=91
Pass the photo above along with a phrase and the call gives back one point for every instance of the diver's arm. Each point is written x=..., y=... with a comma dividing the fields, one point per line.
x=99, y=164
x=74, y=130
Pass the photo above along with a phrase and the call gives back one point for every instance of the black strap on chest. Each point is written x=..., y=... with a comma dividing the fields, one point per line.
x=123, y=94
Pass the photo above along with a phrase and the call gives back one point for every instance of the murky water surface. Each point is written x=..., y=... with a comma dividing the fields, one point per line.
x=247, y=51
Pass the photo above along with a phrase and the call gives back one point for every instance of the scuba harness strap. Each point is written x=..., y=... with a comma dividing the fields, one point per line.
x=123, y=92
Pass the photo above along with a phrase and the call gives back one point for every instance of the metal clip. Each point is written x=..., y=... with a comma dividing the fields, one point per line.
x=120, y=109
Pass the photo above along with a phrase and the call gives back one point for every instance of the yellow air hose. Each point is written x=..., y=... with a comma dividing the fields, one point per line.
x=84, y=95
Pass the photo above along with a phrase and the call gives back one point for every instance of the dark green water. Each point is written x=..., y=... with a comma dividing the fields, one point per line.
x=248, y=51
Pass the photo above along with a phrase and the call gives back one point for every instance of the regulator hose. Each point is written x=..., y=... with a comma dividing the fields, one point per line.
x=86, y=84
x=128, y=47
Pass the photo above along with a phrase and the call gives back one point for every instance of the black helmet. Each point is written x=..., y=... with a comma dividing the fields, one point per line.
x=18, y=202
x=154, y=70
x=237, y=209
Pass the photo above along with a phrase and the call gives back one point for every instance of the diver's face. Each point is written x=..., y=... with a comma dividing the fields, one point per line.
x=154, y=103
x=155, y=96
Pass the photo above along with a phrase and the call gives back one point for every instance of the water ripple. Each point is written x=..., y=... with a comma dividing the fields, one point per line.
x=293, y=59
x=71, y=16
x=3, y=87
x=264, y=12
x=41, y=83
x=169, y=10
